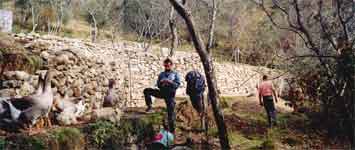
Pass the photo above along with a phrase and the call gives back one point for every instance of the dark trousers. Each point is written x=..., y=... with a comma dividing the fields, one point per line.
x=270, y=109
x=196, y=101
x=169, y=97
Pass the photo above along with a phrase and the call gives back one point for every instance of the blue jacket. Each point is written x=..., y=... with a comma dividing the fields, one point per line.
x=169, y=75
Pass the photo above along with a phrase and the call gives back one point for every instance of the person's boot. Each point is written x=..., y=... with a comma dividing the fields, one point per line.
x=275, y=122
x=149, y=109
x=270, y=124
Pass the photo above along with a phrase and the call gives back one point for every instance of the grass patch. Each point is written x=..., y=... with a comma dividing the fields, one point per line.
x=238, y=141
x=155, y=118
x=25, y=142
x=213, y=132
x=268, y=144
x=13, y=56
x=67, y=138
x=225, y=102
x=107, y=135
x=36, y=143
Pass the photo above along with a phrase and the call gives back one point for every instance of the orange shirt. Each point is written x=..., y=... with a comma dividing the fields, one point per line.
x=265, y=88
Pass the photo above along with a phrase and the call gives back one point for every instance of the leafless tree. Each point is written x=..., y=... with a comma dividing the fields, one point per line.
x=213, y=13
x=173, y=32
x=209, y=71
x=327, y=30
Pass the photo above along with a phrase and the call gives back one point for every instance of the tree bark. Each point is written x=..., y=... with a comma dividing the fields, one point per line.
x=173, y=30
x=93, y=28
x=212, y=26
x=34, y=25
x=209, y=72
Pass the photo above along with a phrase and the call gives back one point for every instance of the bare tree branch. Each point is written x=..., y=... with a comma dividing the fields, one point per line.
x=308, y=56
x=342, y=22
x=291, y=27
x=323, y=27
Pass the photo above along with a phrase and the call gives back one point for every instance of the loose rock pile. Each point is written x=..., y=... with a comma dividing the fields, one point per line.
x=83, y=69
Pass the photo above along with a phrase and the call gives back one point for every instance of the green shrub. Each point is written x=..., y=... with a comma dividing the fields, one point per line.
x=68, y=138
x=34, y=62
x=2, y=143
x=35, y=143
x=101, y=131
x=25, y=142
x=106, y=134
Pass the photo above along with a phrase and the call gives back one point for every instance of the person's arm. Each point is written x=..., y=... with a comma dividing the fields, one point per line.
x=274, y=93
x=187, y=89
x=159, y=80
x=176, y=82
x=261, y=100
x=260, y=96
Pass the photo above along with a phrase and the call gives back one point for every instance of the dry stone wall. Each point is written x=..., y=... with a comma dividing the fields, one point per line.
x=83, y=69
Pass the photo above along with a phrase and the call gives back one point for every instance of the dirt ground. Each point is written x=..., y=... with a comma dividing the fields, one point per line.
x=246, y=124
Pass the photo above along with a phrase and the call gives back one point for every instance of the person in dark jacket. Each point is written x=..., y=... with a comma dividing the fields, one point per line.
x=168, y=82
x=195, y=89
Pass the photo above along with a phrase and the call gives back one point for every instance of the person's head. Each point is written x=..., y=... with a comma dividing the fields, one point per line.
x=111, y=83
x=168, y=64
x=165, y=124
x=265, y=77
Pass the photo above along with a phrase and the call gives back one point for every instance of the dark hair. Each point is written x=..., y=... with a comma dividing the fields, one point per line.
x=165, y=123
x=264, y=77
x=111, y=82
x=168, y=60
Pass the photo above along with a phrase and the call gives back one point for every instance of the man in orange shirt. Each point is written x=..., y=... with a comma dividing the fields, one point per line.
x=266, y=99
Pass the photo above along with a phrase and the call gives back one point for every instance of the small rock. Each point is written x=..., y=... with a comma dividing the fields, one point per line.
x=45, y=55
x=61, y=68
x=11, y=84
x=26, y=89
x=17, y=75
x=110, y=114
x=7, y=92
x=91, y=92
x=61, y=59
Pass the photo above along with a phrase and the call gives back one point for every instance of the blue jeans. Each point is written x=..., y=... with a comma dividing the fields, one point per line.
x=169, y=96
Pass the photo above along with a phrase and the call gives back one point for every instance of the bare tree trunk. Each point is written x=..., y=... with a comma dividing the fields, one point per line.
x=34, y=25
x=212, y=26
x=113, y=36
x=60, y=20
x=93, y=28
x=209, y=72
x=173, y=30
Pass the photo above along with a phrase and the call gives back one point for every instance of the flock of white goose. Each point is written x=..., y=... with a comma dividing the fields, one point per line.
x=32, y=112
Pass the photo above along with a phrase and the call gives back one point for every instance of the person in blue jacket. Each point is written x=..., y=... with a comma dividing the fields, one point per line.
x=168, y=82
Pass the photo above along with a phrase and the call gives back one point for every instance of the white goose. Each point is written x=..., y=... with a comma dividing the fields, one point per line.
x=69, y=111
